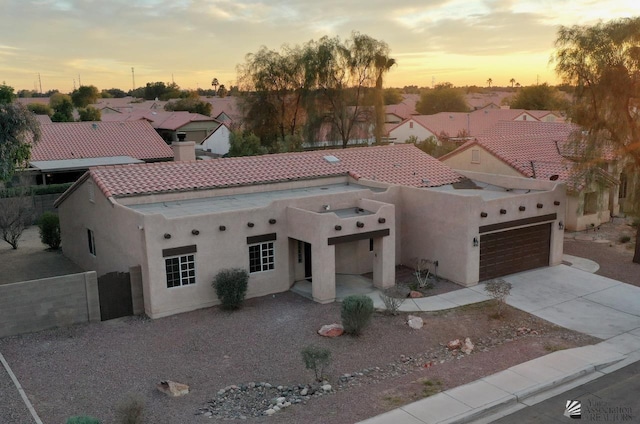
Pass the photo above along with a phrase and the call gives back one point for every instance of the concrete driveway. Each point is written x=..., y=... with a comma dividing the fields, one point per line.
x=577, y=300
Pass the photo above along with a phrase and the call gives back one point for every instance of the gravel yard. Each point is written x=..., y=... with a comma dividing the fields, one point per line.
x=90, y=369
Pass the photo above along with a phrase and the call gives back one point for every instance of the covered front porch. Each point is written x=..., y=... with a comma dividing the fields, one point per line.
x=346, y=285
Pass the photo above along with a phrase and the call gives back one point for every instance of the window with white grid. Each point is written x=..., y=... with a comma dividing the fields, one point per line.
x=261, y=257
x=181, y=270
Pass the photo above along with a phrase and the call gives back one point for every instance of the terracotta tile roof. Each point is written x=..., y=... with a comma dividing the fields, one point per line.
x=400, y=164
x=161, y=120
x=75, y=140
x=43, y=119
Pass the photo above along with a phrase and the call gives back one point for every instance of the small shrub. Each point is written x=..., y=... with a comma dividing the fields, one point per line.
x=356, y=313
x=131, y=410
x=624, y=239
x=317, y=359
x=391, y=303
x=499, y=290
x=49, y=225
x=83, y=419
x=231, y=287
x=636, y=222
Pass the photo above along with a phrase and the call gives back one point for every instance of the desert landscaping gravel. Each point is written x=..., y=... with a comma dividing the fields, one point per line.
x=12, y=408
x=90, y=369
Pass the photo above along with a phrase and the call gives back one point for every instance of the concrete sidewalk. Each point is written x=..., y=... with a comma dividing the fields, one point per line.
x=566, y=295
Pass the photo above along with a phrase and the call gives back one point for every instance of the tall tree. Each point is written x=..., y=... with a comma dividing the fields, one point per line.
x=62, y=107
x=489, y=82
x=442, y=98
x=19, y=130
x=215, y=84
x=512, y=81
x=6, y=93
x=89, y=113
x=190, y=104
x=383, y=64
x=539, y=97
x=85, y=95
x=603, y=62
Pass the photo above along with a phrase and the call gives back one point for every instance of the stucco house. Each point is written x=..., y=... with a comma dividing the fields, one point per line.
x=68, y=149
x=309, y=215
x=218, y=141
x=540, y=150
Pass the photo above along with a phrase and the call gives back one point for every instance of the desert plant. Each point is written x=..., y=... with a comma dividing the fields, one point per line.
x=499, y=290
x=624, y=239
x=391, y=303
x=83, y=419
x=231, y=287
x=317, y=359
x=49, y=225
x=131, y=410
x=15, y=215
x=356, y=313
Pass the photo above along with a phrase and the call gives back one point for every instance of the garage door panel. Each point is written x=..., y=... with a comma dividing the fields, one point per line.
x=512, y=251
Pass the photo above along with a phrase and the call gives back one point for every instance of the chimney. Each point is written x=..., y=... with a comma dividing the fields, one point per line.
x=181, y=135
x=183, y=150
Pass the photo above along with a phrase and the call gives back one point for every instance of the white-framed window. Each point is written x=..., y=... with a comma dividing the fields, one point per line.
x=475, y=156
x=181, y=270
x=92, y=242
x=261, y=257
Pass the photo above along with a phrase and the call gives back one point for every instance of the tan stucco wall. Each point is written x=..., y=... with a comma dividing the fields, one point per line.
x=576, y=220
x=402, y=133
x=488, y=163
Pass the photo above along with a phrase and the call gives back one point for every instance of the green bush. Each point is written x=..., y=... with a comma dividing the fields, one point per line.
x=49, y=225
x=624, y=239
x=131, y=410
x=231, y=287
x=317, y=359
x=356, y=313
x=83, y=419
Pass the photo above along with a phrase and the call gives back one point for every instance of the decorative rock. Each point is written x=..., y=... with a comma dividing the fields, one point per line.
x=221, y=392
x=331, y=330
x=172, y=388
x=286, y=404
x=415, y=322
x=468, y=346
x=454, y=344
x=281, y=400
x=304, y=392
x=413, y=294
x=326, y=387
x=276, y=408
x=270, y=411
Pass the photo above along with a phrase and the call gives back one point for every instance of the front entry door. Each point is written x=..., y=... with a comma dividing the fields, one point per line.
x=307, y=261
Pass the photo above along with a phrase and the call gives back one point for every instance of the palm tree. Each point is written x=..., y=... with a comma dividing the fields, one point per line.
x=383, y=64
x=489, y=81
x=215, y=84
x=512, y=81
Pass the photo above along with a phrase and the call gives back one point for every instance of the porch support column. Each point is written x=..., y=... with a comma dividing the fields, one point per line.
x=384, y=262
x=323, y=270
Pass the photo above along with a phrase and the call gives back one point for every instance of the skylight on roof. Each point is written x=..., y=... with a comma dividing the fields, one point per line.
x=331, y=159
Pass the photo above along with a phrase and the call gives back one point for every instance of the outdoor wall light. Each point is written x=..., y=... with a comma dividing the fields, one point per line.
x=560, y=225
x=250, y=224
x=522, y=208
x=475, y=242
x=556, y=202
x=503, y=211
x=167, y=235
x=382, y=220
x=195, y=232
x=338, y=227
x=359, y=224
x=483, y=214
x=272, y=221
x=222, y=228
x=539, y=205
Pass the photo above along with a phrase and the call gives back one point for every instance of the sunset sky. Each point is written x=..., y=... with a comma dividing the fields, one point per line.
x=464, y=42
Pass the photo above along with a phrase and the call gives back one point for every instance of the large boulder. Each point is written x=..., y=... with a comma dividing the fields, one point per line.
x=172, y=388
x=415, y=322
x=331, y=330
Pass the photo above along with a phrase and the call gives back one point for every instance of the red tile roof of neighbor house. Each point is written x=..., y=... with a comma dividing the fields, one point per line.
x=160, y=120
x=75, y=140
x=400, y=164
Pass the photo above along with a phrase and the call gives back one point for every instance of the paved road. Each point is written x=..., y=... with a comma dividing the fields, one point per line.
x=613, y=398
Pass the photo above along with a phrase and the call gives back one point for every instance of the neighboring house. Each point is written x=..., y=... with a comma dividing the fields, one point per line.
x=461, y=125
x=195, y=126
x=67, y=149
x=218, y=141
x=308, y=215
x=43, y=119
x=539, y=150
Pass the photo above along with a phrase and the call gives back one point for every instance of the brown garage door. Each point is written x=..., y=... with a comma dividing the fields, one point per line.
x=511, y=251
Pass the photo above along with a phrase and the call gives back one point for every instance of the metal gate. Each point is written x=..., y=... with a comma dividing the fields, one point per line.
x=116, y=301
